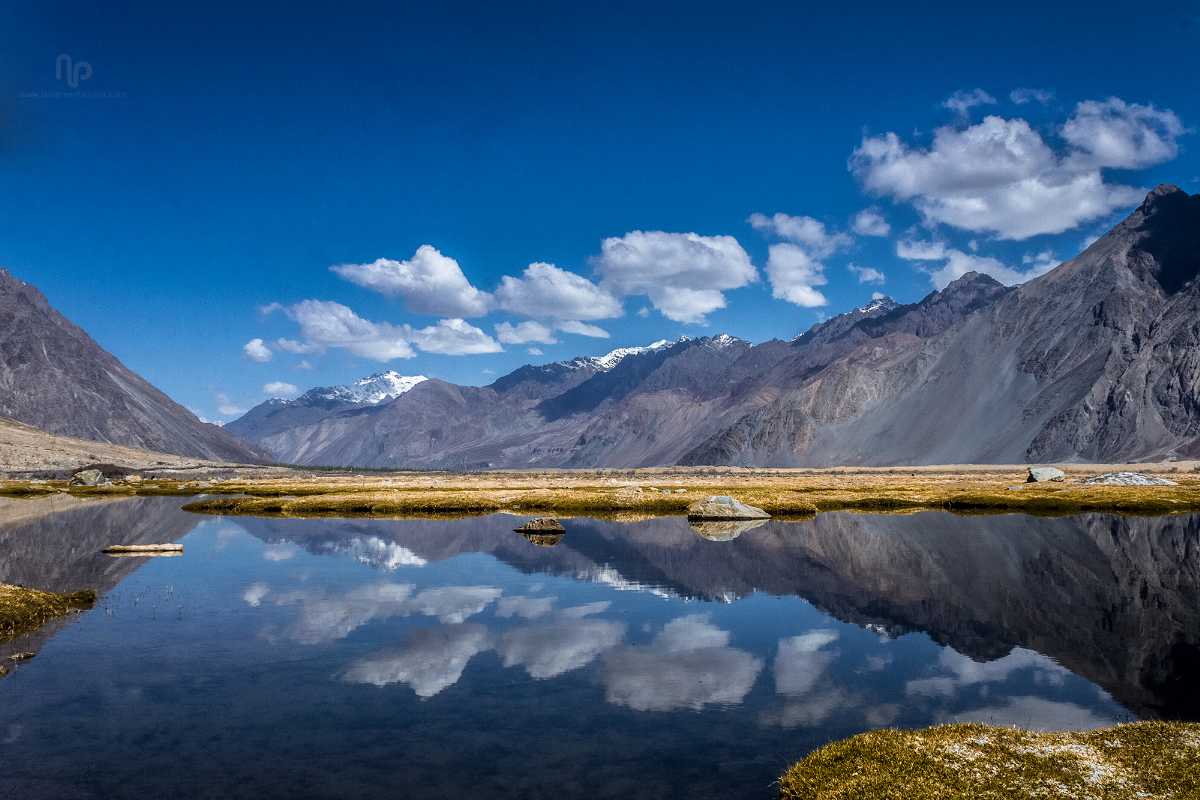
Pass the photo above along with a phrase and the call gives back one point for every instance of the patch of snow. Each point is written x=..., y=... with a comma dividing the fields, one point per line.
x=371, y=390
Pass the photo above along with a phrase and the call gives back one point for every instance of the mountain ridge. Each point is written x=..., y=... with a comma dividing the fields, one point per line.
x=1096, y=360
x=55, y=377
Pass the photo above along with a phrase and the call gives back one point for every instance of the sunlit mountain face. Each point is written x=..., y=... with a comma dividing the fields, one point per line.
x=476, y=657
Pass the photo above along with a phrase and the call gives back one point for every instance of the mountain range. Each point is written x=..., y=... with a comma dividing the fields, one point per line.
x=55, y=377
x=1096, y=360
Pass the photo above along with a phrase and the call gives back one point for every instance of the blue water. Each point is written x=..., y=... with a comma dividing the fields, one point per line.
x=390, y=658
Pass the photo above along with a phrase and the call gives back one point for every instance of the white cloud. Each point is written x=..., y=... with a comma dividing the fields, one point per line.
x=962, y=101
x=545, y=291
x=257, y=350
x=281, y=389
x=299, y=348
x=327, y=618
x=325, y=324
x=867, y=274
x=997, y=176
x=582, y=329
x=429, y=282
x=871, y=222
x=535, y=351
x=431, y=661
x=304, y=364
x=255, y=593
x=524, y=607
x=1113, y=133
x=1023, y=96
x=802, y=660
x=689, y=664
x=878, y=296
x=550, y=649
x=806, y=231
x=453, y=604
x=228, y=408
x=794, y=275
x=683, y=274
x=795, y=268
x=956, y=263
x=452, y=337
x=524, y=333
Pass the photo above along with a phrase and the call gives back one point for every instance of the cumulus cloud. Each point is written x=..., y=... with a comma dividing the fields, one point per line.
x=806, y=231
x=959, y=671
x=452, y=337
x=227, y=407
x=535, y=351
x=1000, y=176
x=1025, y=95
x=682, y=274
x=430, y=661
x=871, y=222
x=795, y=267
x=962, y=101
x=582, y=329
x=867, y=274
x=956, y=263
x=549, y=649
x=545, y=291
x=524, y=333
x=801, y=661
x=689, y=664
x=299, y=348
x=1113, y=133
x=281, y=389
x=794, y=275
x=524, y=607
x=453, y=604
x=429, y=283
x=255, y=593
x=257, y=350
x=326, y=324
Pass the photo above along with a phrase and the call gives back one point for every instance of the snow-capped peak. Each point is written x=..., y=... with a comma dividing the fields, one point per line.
x=370, y=390
x=877, y=304
x=614, y=357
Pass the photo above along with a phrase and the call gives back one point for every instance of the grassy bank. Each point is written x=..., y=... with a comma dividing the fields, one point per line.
x=1141, y=759
x=23, y=610
x=651, y=491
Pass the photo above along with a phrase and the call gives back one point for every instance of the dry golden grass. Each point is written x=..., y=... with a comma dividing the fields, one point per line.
x=949, y=762
x=654, y=491
x=22, y=610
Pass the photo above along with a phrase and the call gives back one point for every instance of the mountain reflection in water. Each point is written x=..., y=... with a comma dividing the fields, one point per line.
x=291, y=657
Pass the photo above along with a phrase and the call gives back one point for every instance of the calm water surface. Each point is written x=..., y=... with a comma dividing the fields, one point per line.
x=351, y=658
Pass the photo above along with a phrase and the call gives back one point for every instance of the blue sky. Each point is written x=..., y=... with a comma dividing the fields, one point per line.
x=170, y=174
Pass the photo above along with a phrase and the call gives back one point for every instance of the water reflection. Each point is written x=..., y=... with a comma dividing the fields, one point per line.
x=445, y=645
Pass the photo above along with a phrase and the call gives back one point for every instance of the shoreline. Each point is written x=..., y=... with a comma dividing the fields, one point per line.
x=665, y=491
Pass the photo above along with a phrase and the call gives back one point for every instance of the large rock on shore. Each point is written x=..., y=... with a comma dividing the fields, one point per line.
x=1128, y=479
x=1043, y=474
x=724, y=507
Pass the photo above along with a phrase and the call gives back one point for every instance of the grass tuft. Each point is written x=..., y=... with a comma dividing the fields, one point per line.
x=23, y=610
x=953, y=762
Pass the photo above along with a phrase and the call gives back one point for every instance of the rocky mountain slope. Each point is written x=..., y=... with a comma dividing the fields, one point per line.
x=1097, y=360
x=54, y=377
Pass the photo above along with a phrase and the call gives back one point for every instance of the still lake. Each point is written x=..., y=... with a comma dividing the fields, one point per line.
x=328, y=658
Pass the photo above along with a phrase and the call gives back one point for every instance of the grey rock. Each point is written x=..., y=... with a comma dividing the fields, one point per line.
x=1128, y=479
x=1042, y=474
x=724, y=507
x=89, y=477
